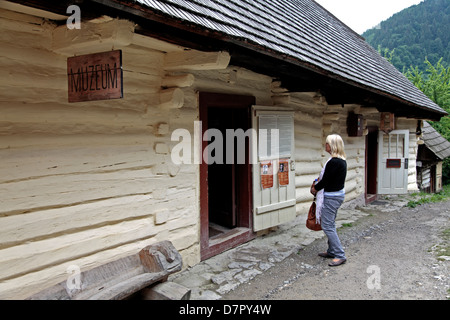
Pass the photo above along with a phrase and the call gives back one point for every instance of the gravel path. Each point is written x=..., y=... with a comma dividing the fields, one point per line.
x=390, y=255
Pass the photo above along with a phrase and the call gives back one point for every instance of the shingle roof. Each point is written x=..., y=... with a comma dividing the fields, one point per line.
x=435, y=142
x=302, y=30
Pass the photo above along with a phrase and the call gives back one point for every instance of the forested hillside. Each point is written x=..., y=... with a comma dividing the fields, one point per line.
x=415, y=33
x=417, y=42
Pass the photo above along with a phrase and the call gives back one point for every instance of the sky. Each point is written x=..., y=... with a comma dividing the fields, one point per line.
x=361, y=15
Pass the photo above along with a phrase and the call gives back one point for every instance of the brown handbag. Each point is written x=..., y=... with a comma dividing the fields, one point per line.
x=311, y=220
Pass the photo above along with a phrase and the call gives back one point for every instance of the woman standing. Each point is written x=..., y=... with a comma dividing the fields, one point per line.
x=330, y=194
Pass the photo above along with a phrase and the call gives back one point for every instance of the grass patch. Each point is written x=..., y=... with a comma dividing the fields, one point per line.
x=423, y=197
x=443, y=249
x=347, y=225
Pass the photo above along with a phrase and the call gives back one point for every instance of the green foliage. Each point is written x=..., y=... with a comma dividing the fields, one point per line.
x=435, y=83
x=419, y=31
x=446, y=171
x=347, y=225
x=386, y=53
x=443, y=249
x=429, y=198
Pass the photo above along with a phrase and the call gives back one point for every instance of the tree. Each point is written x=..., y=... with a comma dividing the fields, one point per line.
x=386, y=53
x=415, y=32
x=435, y=83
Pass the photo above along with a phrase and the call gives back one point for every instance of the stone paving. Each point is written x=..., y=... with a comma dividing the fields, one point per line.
x=212, y=278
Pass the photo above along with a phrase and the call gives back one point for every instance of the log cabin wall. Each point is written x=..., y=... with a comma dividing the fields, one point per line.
x=87, y=183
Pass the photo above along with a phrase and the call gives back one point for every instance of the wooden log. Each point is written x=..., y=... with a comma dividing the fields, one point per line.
x=71, y=119
x=172, y=98
x=22, y=12
x=56, y=191
x=333, y=116
x=36, y=255
x=40, y=39
x=13, y=53
x=281, y=99
x=180, y=81
x=196, y=60
x=93, y=37
x=120, y=278
x=366, y=110
x=17, y=229
x=154, y=44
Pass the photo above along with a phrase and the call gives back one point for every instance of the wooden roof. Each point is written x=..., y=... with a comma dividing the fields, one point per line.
x=435, y=142
x=297, y=41
x=300, y=31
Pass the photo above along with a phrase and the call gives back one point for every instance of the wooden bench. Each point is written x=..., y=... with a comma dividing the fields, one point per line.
x=121, y=278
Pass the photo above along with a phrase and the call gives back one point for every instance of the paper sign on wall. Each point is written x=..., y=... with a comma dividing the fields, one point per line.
x=266, y=174
x=283, y=172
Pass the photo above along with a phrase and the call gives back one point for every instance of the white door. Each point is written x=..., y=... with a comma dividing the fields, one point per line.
x=393, y=155
x=273, y=168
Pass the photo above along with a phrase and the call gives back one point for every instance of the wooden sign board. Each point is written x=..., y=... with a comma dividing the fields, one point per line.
x=387, y=122
x=393, y=163
x=95, y=76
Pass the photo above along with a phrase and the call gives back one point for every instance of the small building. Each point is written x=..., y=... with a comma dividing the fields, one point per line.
x=432, y=151
x=126, y=123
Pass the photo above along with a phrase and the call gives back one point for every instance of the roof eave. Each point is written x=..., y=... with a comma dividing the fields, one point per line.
x=188, y=34
x=222, y=41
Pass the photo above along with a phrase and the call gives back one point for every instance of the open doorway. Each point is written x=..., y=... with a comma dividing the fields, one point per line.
x=225, y=184
x=226, y=178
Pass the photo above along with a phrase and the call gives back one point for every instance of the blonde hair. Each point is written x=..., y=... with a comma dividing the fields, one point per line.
x=337, y=146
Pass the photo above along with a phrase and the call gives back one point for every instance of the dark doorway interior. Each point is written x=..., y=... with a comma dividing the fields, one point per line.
x=371, y=164
x=225, y=188
x=225, y=179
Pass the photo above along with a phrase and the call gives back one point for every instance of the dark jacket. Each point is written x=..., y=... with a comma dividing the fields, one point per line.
x=334, y=176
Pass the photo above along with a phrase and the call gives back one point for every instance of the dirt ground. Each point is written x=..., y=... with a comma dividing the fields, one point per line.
x=395, y=255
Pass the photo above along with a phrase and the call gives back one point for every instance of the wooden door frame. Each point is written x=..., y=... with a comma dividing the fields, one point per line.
x=245, y=222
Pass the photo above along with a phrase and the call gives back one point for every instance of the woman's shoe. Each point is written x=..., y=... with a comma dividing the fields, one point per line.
x=337, y=262
x=325, y=255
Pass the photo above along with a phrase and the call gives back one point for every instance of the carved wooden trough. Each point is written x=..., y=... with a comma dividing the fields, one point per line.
x=121, y=278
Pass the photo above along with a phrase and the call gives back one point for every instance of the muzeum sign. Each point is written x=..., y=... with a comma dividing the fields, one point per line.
x=97, y=76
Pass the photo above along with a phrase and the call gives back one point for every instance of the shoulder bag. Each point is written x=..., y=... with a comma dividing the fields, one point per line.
x=311, y=222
